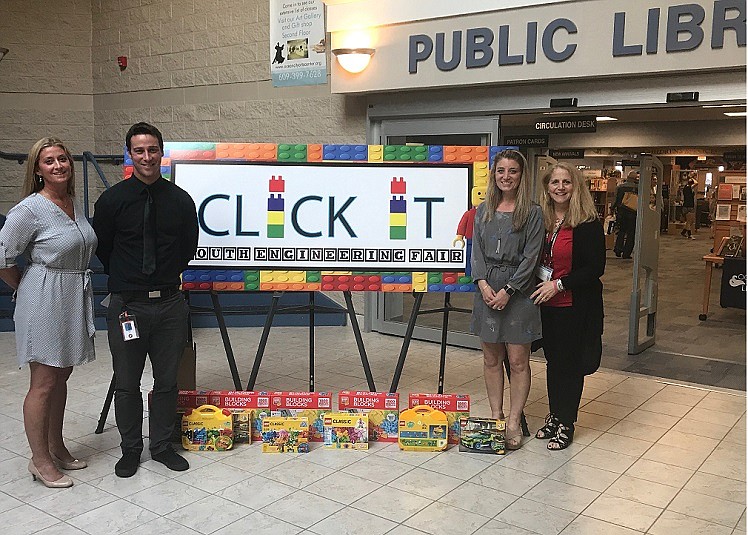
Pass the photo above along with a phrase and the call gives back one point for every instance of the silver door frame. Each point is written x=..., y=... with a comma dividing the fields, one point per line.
x=377, y=305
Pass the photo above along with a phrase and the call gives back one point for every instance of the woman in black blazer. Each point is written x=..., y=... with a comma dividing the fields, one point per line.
x=571, y=295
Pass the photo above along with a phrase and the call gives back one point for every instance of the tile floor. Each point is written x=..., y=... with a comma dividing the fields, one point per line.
x=648, y=457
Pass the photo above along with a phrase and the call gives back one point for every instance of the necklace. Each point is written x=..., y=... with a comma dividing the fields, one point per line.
x=65, y=204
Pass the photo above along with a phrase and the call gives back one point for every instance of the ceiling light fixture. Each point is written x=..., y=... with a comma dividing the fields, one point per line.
x=735, y=113
x=353, y=60
x=605, y=118
x=3, y=51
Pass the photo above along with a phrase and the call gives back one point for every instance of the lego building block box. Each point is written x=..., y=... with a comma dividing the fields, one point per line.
x=207, y=428
x=346, y=431
x=482, y=435
x=423, y=428
x=312, y=405
x=282, y=434
x=247, y=407
x=455, y=406
x=383, y=409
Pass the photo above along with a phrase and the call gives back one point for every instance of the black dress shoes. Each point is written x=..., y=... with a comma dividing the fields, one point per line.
x=171, y=459
x=128, y=464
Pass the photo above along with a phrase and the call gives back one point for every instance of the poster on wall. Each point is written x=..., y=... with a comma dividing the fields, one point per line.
x=297, y=42
x=366, y=217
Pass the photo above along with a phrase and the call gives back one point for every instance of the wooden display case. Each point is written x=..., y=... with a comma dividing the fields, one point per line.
x=724, y=227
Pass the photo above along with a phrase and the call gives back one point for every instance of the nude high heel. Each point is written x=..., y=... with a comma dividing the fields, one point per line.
x=62, y=483
x=75, y=464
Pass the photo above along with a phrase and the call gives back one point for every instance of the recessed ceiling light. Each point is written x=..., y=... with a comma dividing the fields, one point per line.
x=735, y=113
x=724, y=106
x=605, y=118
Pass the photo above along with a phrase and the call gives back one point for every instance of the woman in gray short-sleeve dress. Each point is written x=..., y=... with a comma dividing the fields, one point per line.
x=54, y=300
x=507, y=238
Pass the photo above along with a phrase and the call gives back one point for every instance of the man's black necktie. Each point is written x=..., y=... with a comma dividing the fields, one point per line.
x=149, y=235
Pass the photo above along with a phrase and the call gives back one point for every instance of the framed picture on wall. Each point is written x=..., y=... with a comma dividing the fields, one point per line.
x=736, y=191
x=742, y=193
x=724, y=192
x=723, y=211
x=742, y=212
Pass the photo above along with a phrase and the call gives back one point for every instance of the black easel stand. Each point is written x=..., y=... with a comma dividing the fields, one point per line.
x=218, y=311
x=445, y=310
x=310, y=309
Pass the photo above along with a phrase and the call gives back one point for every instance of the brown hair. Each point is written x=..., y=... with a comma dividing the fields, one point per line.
x=581, y=205
x=32, y=183
x=524, y=191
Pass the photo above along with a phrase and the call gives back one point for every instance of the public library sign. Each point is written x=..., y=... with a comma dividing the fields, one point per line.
x=587, y=38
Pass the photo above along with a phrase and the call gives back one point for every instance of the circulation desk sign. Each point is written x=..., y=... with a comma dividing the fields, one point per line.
x=297, y=42
x=364, y=217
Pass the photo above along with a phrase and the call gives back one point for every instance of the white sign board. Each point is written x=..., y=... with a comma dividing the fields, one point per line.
x=362, y=217
x=297, y=42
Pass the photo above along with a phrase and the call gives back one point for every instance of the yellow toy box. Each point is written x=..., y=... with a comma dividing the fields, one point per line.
x=285, y=434
x=455, y=406
x=207, y=428
x=312, y=405
x=423, y=428
x=346, y=431
x=383, y=409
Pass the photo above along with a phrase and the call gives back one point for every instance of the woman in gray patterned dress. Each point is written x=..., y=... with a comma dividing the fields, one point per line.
x=54, y=300
x=507, y=239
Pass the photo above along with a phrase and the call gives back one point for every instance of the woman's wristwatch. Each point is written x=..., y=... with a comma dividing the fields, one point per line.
x=559, y=285
x=509, y=290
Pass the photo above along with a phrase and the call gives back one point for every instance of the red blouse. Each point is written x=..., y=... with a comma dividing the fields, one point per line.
x=561, y=258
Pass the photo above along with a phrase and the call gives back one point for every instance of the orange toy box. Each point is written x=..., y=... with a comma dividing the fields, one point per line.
x=383, y=409
x=248, y=409
x=312, y=405
x=455, y=406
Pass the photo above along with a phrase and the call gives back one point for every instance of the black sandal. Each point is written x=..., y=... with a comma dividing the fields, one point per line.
x=549, y=429
x=563, y=438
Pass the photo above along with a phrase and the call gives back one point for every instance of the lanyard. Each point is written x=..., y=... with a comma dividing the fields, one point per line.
x=550, y=243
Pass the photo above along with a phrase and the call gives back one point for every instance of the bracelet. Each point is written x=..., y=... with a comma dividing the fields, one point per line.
x=559, y=285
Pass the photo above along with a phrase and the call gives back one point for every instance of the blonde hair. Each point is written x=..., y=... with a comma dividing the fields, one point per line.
x=494, y=195
x=581, y=205
x=32, y=184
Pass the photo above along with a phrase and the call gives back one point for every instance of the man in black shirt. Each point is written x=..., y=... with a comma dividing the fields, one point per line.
x=147, y=231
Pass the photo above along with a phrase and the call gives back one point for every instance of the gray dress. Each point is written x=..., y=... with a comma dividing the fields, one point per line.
x=513, y=263
x=54, y=303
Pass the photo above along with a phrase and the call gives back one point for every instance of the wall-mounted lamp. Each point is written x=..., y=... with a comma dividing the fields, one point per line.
x=3, y=51
x=353, y=60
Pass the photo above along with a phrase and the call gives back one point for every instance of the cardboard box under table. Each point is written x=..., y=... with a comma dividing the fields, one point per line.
x=312, y=405
x=383, y=409
x=455, y=406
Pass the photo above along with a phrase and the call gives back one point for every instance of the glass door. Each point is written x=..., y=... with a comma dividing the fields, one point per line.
x=389, y=312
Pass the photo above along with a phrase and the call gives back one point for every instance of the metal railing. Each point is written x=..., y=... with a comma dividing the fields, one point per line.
x=87, y=157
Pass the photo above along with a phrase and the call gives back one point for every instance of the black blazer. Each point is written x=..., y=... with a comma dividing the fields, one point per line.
x=587, y=266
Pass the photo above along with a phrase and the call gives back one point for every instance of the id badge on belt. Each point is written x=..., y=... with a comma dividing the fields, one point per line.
x=129, y=326
x=544, y=273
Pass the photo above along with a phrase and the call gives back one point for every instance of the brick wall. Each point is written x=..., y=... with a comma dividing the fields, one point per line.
x=199, y=70
x=45, y=81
